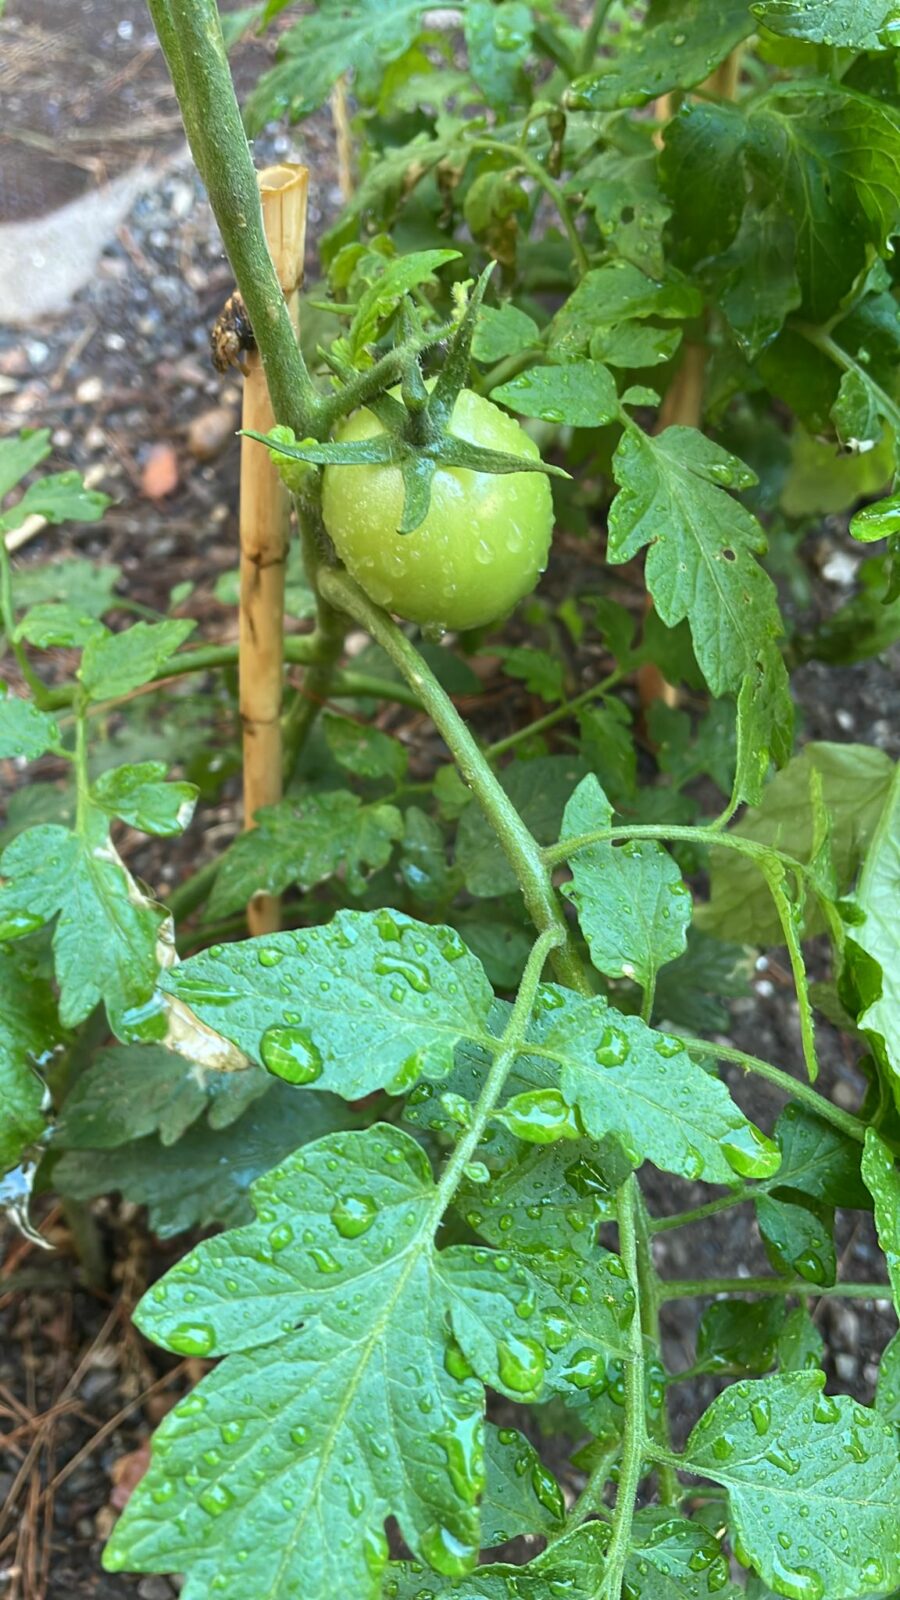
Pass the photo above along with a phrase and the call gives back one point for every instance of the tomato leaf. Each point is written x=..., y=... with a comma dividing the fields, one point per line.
x=340, y=36
x=25, y=732
x=673, y=48
x=876, y=935
x=29, y=1029
x=107, y=930
x=642, y=1086
x=115, y=663
x=204, y=1177
x=793, y=1460
x=845, y=24
x=139, y=796
x=633, y=906
x=323, y=1215
x=581, y=394
x=703, y=543
x=856, y=782
x=372, y=1000
x=883, y=1183
x=304, y=841
x=130, y=1091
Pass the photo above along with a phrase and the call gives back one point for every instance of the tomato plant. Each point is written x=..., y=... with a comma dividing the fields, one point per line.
x=447, y=1115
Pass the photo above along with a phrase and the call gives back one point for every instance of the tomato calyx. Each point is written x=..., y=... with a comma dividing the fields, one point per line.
x=416, y=437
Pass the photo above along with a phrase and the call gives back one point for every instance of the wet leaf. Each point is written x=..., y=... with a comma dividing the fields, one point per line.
x=813, y=1482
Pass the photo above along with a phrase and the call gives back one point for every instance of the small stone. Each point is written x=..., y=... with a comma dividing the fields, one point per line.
x=840, y=569
x=159, y=475
x=115, y=342
x=845, y=1367
x=845, y=1095
x=210, y=432
x=89, y=391
x=845, y=719
x=37, y=352
x=154, y=1589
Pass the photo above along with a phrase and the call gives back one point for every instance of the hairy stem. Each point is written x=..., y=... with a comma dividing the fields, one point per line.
x=794, y=1087
x=648, y=1278
x=300, y=649
x=592, y=35
x=42, y=695
x=555, y=854
x=822, y=340
x=191, y=37
x=329, y=637
x=520, y=158
x=559, y=714
x=680, y=1219
x=634, y=1438
x=520, y=848
x=696, y=1288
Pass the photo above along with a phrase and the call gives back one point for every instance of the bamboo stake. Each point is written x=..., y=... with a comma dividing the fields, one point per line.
x=265, y=531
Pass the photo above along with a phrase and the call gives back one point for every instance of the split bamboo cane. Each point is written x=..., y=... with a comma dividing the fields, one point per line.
x=264, y=533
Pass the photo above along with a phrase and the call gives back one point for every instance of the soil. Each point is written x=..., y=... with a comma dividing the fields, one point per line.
x=121, y=374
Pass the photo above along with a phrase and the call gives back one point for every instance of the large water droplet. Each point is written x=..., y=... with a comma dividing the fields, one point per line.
x=796, y=1583
x=612, y=1049
x=750, y=1152
x=215, y=1499
x=520, y=1364
x=192, y=1339
x=761, y=1414
x=353, y=1214
x=446, y=1553
x=291, y=1054
x=412, y=972
x=463, y=1446
x=540, y=1116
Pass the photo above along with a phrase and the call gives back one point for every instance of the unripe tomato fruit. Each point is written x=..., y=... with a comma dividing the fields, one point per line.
x=482, y=546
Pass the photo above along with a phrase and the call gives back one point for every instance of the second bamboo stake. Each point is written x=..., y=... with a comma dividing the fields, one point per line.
x=265, y=531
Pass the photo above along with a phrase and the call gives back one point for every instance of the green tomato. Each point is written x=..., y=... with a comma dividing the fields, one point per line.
x=482, y=546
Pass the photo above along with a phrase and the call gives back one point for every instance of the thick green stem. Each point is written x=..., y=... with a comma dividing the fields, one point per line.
x=635, y=1438
x=794, y=1087
x=191, y=37
x=697, y=1288
x=520, y=158
x=518, y=845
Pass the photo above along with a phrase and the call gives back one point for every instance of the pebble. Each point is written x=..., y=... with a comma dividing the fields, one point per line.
x=209, y=432
x=845, y=1322
x=159, y=474
x=845, y=1366
x=154, y=1589
x=89, y=391
x=37, y=352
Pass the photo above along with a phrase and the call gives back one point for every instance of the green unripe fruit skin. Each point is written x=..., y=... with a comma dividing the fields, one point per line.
x=482, y=546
